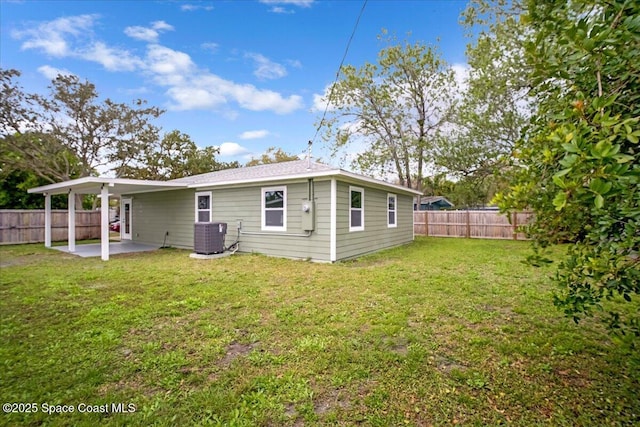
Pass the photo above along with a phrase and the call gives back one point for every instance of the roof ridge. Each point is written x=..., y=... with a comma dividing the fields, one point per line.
x=268, y=169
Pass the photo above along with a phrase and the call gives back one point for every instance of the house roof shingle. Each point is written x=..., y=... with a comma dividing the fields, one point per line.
x=297, y=169
x=272, y=170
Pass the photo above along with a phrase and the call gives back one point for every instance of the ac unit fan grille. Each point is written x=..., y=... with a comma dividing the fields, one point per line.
x=208, y=237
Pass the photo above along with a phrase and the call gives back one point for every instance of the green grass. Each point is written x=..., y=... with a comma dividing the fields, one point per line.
x=440, y=332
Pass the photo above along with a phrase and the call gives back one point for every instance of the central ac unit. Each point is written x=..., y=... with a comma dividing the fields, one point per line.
x=208, y=237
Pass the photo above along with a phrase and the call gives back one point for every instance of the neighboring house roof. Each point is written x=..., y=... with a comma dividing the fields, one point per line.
x=297, y=169
x=434, y=201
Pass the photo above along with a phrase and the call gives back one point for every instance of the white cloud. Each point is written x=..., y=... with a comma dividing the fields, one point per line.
x=187, y=86
x=299, y=3
x=55, y=38
x=52, y=72
x=254, y=134
x=165, y=61
x=320, y=101
x=251, y=98
x=142, y=33
x=266, y=68
x=148, y=34
x=161, y=26
x=276, y=5
x=230, y=149
x=211, y=47
x=193, y=98
x=50, y=37
x=281, y=10
x=110, y=58
x=193, y=7
x=205, y=90
x=294, y=63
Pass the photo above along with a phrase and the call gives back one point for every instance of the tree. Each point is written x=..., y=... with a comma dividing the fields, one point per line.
x=396, y=109
x=272, y=155
x=579, y=169
x=175, y=156
x=70, y=133
x=14, y=195
x=23, y=144
x=54, y=160
x=495, y=105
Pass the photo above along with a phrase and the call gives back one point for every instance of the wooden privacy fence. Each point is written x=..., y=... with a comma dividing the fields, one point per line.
x=27, y=226
x=470, y=224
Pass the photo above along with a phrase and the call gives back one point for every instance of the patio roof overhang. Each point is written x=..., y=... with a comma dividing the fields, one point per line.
x=116, y=186
x=104, y=187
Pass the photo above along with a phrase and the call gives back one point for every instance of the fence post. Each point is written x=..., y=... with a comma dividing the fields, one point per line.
x=426, y=223
x=515, y=226
x=468, y=232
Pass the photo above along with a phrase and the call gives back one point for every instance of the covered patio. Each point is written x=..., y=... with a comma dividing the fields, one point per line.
x=115, y=248
x=103, y=187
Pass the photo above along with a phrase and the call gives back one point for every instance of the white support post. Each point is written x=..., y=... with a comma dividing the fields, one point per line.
x=104, y=222
x=71, y=239
x=47, y=220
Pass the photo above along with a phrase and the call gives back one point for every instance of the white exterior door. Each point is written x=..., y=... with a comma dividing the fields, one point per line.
x=125, y=219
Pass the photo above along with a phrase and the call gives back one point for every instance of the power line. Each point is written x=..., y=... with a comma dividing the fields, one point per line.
x=346, y=51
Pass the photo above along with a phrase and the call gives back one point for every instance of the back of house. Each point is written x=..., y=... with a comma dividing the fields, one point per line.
x=298, y=209
x=292, y=209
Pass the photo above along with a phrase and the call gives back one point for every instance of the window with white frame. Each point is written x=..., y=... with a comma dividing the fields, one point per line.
x=203, y=206
x=392, y=203
x=356, y=209
x=274, y=208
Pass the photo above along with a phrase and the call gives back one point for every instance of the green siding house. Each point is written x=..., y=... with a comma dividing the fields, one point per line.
x=295, y=209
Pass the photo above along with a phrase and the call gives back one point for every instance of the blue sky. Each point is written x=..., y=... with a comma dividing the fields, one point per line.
x=239, y=75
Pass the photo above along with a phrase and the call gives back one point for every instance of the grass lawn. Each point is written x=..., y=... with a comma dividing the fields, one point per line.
x=440, y=332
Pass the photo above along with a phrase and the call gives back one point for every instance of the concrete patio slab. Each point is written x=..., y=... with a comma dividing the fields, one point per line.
x=211, y=256
x=115, y=248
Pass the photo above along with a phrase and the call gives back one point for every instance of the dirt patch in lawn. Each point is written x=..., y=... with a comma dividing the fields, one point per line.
x=133, y=384
x=323, y=404
x=447, y=365
x=334, y=399
x=10, y=263
x=235, y=350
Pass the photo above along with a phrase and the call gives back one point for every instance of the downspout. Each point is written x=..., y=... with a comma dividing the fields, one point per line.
x=312, y=190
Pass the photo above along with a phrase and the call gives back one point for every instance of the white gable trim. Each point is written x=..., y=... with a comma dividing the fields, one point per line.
x=94, y=185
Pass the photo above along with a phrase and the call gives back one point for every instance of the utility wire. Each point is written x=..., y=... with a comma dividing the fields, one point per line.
x=326, y=107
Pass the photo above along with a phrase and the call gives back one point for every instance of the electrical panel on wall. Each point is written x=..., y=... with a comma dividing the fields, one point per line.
x=308, y=215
